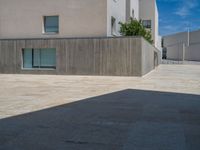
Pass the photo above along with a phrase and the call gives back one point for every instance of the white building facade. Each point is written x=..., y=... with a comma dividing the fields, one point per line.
x=182, y=46
x=73, y=18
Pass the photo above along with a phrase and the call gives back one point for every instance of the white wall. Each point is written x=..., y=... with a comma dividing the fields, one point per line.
x=77, y=18
x=135, y=6
x=148, y=11
x=174, y=45
x=130, y=6
x=175, y=39
x=175, y=52
x=118, y=11
x=159, y=43
x=157, y=37
x=192, y=53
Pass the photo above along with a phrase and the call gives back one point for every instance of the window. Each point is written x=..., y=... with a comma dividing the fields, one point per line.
x=39, y=58
x=146, y=23
x=51, y=24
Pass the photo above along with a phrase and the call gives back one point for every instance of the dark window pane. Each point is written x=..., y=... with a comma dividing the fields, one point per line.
x=36, y=58
x=39, y=58
x=48, y=57
x=51, y=23
x=146, y=23
x=27, y=58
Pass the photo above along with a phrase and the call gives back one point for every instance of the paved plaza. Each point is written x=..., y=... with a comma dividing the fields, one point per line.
x=160, y=111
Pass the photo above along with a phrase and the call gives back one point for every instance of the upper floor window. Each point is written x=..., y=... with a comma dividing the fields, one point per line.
x=51, y=24
x=146, y=23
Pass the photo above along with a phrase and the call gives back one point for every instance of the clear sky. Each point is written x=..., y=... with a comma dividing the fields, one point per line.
x=177, y=15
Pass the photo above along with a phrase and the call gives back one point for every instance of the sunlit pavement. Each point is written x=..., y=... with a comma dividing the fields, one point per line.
x=158, y=111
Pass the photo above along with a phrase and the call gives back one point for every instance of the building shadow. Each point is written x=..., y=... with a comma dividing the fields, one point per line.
x=124, y=120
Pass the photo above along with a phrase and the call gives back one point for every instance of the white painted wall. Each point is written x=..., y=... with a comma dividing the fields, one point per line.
x=192, y=52
x=175, y=39
x=159, y=43
x=174, y=45
x=130, y=6
x=117, y=9
x=77, y=18
x=157, y=36
x=135, y=6
x=148, y=11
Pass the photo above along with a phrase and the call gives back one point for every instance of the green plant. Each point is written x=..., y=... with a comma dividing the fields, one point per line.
x=135, y=28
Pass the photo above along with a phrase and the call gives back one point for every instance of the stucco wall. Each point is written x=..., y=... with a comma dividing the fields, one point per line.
x=193, y=52
x=195, y=37
x=24, y=18
x=175, y=39
x=157, y=37
x=174, y=45
x=117, y=9
x=148, y=11
x=175, y=52
x=135, y=6
x=130, y=6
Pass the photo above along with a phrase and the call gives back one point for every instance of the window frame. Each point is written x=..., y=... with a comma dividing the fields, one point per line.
x=36, y=67
x=148, y=24
x=44, y=24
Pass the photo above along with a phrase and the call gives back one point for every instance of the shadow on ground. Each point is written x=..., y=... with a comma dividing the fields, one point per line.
x=125, y=120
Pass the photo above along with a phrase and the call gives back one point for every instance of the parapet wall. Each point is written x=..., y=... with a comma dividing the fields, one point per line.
x=122, y=56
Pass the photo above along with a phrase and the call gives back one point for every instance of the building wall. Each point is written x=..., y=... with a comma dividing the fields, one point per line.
x=121, y=56
x=175, y=52
x=157, y=36
x=195, y=37
x=130, y=6
x=135, y=6
x=77, y=18
x=148, y=11
x=193, y=52
x=151, y=57
x=116, y=9
x=171, y=40
x=177, y=46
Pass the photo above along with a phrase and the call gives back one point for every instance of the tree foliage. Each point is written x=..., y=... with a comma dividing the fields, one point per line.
x=135, y=28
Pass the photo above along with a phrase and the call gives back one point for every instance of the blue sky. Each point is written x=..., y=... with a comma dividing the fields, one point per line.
x=177, y=15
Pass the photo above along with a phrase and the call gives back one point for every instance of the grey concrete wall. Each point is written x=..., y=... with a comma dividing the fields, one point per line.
x=151, y=57
x=124, y=56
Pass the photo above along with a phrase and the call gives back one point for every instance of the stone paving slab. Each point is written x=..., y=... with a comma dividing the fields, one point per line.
x=160, y=111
